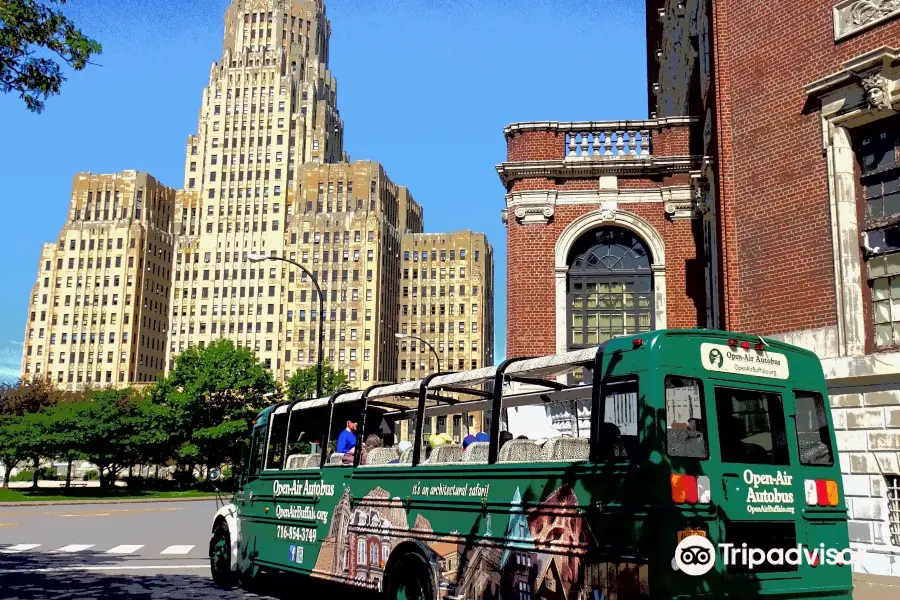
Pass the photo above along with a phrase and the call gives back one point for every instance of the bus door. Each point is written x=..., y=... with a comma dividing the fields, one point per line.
x=250, y=510
x=752, y=467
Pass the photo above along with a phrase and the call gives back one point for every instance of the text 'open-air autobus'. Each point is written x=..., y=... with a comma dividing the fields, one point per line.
x=687, y=433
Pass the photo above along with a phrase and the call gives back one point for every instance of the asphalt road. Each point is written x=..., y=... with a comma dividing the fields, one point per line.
x=117, y=551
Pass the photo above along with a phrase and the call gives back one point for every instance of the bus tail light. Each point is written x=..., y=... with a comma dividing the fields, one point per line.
x=688, y=489
x=821, y=492
x=636, y=343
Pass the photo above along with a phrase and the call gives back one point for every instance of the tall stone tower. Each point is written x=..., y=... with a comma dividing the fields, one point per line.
x=269, y=107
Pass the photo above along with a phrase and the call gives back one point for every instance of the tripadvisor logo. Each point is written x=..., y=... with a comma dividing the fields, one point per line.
x=695, y=555
x=715, y=357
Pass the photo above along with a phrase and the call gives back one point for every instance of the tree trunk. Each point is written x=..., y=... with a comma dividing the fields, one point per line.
x=7, y=471
x=69, y=475
x=34, y=474
x=131, y=470
x=157, y=471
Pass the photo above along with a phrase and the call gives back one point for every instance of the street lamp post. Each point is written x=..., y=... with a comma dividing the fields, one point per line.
x=261, y=257
x=403, y=336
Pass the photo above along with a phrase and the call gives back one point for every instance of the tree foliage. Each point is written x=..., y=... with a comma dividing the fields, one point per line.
x=302, y=384
x=200, y=414
x=214, y=393
x=33, y=37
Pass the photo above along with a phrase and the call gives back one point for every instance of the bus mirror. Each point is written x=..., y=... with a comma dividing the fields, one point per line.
x=213, y=474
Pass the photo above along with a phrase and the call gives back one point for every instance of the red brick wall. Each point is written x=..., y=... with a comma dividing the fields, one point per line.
x=671, y=141
x=536, y=145
x=531, y=281
x=772, y=176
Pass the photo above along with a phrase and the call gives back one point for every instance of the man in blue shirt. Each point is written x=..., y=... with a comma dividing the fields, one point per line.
x=347, y=440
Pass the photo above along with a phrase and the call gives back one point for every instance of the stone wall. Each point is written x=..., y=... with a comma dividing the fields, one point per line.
x=867, y=423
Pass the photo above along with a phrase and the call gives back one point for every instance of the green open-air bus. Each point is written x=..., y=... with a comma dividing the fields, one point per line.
x=703, y=433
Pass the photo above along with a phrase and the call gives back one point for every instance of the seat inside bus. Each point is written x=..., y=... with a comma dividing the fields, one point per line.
x=303, y=461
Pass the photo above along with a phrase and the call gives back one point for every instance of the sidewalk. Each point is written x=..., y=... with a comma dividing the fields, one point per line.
x=875, y=587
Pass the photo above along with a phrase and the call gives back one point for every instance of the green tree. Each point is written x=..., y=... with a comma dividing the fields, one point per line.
x=15, y=444
x=62, y=437
x=21, y=403
x=302, y=384
x=214, y=393
x=111, y=430
x=29, y=27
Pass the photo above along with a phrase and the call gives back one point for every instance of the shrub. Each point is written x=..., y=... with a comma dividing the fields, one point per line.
x=45, y=474
x=91, y=476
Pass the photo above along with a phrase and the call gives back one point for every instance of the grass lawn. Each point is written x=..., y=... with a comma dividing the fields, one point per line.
x=118, y=493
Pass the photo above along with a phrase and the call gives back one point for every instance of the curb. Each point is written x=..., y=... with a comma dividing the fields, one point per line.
x=110, y=501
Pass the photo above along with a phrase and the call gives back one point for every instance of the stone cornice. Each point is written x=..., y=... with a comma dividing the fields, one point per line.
x=539, y=206
x=563, y=169
x=883, y=57
x=677, y=193
x=659, y=123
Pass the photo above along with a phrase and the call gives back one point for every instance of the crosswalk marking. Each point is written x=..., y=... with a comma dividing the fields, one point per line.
x=125, y=549
x=19, y=548
x=74, y=548
x=177, y=550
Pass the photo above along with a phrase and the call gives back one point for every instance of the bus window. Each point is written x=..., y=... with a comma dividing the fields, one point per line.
x=751, y=427
x=619, y=433
x=813, y=438
x=277, y=436
x=257, y=447
x=685, y=418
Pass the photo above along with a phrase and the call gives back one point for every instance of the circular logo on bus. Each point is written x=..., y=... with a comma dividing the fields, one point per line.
x=695, y=555
x=715, y=357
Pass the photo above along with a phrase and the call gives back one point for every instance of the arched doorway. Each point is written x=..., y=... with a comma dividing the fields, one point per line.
x=609, y=287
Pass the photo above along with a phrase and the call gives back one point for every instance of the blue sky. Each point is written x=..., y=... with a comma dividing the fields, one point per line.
x=425, y=88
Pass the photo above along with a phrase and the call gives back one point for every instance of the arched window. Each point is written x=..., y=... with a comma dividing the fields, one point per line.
x=610, y=287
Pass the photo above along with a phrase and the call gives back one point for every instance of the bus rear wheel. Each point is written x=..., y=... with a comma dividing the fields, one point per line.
x=220, y=557
x=411, y=580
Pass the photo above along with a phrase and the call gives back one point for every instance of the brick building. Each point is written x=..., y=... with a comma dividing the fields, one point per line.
x=762, y=195
x=795, y=103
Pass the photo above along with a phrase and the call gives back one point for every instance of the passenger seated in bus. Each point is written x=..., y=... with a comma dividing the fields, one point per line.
x=402, y=447
x=467, y=440
x=436, y=439
x=611, y=441
x=505, y=436
x=734, y=448
x=347, y=440
x=482, y=437
x=373, y=441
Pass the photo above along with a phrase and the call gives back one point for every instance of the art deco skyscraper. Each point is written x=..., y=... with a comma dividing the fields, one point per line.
x=270, y=106
x=99, y=310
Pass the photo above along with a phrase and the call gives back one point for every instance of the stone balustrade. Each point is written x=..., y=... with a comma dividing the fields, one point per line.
x=599, y=142
x=612, y=144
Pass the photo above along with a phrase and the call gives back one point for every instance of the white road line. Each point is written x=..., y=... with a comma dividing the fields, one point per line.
x=104, y=568
x=125, y=549
x=177, y=550
x=74, y=548
x=19, y=548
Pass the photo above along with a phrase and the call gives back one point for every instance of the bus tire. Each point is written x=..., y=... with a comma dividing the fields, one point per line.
x=220, y=557
x=411, y=579
x=249, y=578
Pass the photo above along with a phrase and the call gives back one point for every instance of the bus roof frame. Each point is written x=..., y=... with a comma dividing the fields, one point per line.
x=420, y=409
x=327, y=437
x=357, y=455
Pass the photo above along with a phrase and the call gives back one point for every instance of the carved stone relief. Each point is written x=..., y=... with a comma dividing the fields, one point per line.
x=851, y=16
x=877, y=89
x=534, y=214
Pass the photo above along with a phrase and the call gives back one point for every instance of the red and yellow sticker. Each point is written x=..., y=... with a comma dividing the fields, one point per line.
x=684, y=533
